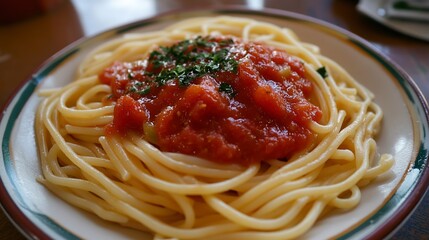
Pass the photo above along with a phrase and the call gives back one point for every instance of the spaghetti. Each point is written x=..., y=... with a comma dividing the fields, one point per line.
x=127, y=180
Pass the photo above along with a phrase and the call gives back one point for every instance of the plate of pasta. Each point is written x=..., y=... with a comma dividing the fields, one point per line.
x=217, y=124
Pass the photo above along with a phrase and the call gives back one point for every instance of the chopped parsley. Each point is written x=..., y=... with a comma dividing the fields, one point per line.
x=227, y=88
x=184, y=62
x=322, y=72
x=144, y=91
x=190, y=59
x=137, y=87
x=130, y=74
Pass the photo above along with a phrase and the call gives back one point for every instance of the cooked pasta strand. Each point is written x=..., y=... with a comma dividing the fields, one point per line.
x=128, y=180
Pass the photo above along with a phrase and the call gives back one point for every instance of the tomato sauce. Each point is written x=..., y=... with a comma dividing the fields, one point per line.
x=217, y=98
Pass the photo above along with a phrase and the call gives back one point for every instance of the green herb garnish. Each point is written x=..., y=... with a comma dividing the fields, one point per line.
x=191, y=59
x=322, y=72
x=144, y=91
x=137, y=87
x=130, y=74
x=227, y=88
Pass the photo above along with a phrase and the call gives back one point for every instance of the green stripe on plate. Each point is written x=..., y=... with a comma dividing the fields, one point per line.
x=24, y=95
x=415, y=172
x=404, y=190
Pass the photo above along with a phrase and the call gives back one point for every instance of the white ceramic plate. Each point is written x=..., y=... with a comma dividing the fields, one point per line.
x=385, y=203
x=379, y=11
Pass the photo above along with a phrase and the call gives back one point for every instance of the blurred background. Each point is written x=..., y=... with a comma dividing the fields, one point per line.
x=33, y=30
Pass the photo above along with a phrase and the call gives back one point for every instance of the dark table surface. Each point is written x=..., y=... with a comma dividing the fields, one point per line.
x=25, y=44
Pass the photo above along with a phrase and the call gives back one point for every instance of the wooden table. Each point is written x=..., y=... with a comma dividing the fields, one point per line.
x=26, y=44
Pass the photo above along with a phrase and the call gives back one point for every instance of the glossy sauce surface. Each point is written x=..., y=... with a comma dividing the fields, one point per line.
x=215, y=97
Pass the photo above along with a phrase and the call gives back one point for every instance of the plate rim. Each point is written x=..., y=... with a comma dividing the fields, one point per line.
x=32, y=231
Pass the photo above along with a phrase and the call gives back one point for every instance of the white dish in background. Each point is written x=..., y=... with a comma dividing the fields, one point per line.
x=379, y=11
x=384, y=205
